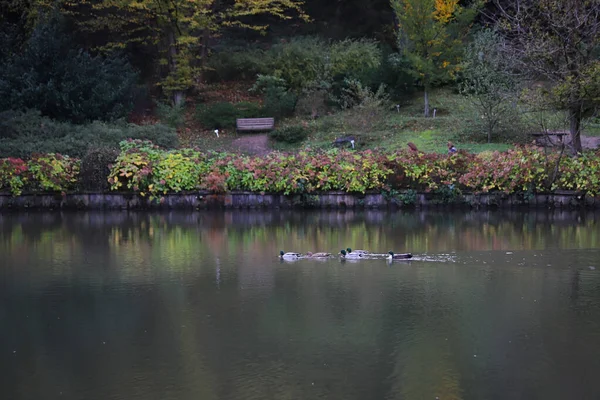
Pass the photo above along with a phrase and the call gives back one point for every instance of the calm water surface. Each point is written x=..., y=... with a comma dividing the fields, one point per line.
x=496, y=305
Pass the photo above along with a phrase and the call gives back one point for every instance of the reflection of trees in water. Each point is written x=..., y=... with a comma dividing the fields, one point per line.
x=187, y=240
x=271, y=330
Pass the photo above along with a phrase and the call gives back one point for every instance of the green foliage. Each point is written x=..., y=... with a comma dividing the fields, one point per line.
x=234, y=63
x=302, y=62
x=366, y=108
x=580, y=173
x=354, y=59
x=94, y=170
x=487, y=82
x=172, y=115
x=53, y=172
x=405, y=198
x=13, y=175
x=178, y=30
x=520, y=169
x=223, y=115
x=50, y=75
x=289, y=134
x=278, y=101
x=133, y=167
x=299, y=62
x=430, y=36
x=25, y=133
x=149, y=170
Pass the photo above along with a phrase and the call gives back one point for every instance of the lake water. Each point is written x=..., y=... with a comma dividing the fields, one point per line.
x=495, y=305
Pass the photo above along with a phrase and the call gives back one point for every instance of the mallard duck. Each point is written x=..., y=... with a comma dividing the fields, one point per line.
x=402, y=256
x=363, y=252
x=289, y=256
x=317, y=255
x=350, y=255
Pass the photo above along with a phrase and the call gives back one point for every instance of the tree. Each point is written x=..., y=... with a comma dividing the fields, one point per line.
x=557, y=41
x=51, y=75
x=179, y=28
x=487, y=80
x=429, y=37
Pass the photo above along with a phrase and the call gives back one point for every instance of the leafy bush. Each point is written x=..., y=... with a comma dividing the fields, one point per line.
x=278, y=101
x=237, y=64
x=223, y=115
x=289, y=134
x=53, y=172
x=301, y=62
x=94, y=170
x=516, y=170
x=171, y=115
x=149, y=170
x=488, y=83
x=13, y=175
x=25, y=133
x=354, y=59
x=366, y=108
x=64, y=83
x=580, y=173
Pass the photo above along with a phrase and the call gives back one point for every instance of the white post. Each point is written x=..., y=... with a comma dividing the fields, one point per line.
x=217, y=132
x=352, y=143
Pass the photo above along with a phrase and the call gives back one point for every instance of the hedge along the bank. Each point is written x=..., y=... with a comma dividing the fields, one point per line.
x=144, y=168
x=43, y=173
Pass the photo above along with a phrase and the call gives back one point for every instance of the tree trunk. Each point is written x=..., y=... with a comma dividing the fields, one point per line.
x=426, y=103
x=575, y=129
x=177, y=96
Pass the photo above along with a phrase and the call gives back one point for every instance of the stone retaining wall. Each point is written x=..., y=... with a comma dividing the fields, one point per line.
x=249, y=200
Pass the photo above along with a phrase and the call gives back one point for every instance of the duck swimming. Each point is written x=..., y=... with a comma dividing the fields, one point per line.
x=289, y=256
x=363, y=252
x=317, y=255
x=402, y=256
x=353, y=256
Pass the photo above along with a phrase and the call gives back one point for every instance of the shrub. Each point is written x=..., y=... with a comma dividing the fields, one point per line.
x=278, y=101
x=223, y=115
x=94, y=170
x=289, y=134
x=517, y=170
x=300, y=61
x=171, y=115
x=13, y=175
x=52, y=172
x=355, y=59
x=25, y=133
x=64, y=83
x=580, y=173
x=234, y=63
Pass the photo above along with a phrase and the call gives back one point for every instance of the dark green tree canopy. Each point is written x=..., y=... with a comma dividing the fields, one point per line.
x=51, y=75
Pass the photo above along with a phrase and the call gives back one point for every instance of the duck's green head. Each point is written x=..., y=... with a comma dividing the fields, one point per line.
x=343, y=252
x=349, y=250
x=281, y=253
x=391, y=253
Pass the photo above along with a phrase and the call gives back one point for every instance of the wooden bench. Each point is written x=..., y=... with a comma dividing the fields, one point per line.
x=546, y=137
x=254, y=124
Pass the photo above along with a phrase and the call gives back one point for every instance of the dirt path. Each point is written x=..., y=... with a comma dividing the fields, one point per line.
x=252, y=144
x=590, y=142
